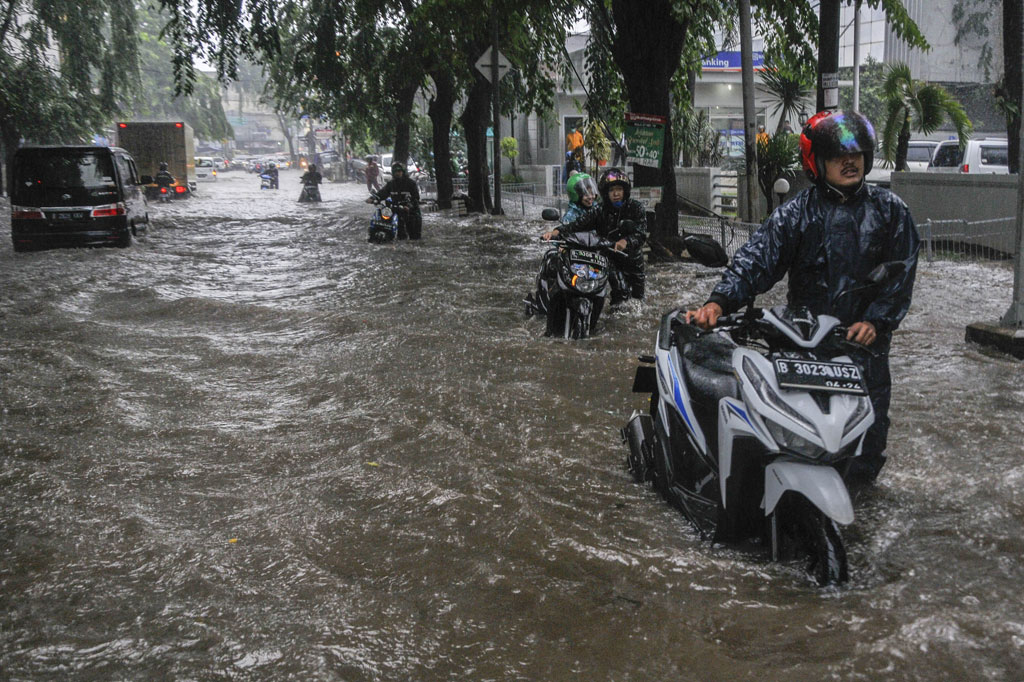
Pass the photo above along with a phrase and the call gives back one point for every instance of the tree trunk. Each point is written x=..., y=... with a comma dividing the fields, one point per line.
x=287, y=136
x=440, y=112
x=9, y=139
x=903, y=144
x=1013, y=25
x=647, y=49
x=474, y=123
x=403, y=117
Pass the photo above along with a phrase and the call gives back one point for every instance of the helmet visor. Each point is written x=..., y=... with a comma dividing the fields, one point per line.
x=587, y=187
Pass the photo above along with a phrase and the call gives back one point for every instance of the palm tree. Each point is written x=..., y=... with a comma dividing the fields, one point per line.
x=912, y=104
x=791, y=90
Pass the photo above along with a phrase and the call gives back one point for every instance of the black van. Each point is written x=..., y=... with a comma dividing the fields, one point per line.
x=75, y=195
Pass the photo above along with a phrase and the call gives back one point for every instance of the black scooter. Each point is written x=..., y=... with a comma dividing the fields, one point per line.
x=310, y=193
x=574, y=282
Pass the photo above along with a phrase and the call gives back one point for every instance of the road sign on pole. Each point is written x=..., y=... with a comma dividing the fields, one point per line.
x=483, y=65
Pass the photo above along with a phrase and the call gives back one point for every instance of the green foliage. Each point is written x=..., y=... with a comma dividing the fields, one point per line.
x=43, y=102
x=915, y=105
x=509, y=148
x=872, y=98
x=777, y=156
x=696, y=138
x=790, y=87
x=155, y=97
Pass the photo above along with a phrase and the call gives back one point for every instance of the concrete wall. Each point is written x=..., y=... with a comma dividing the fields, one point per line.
x=955, y=196
x=950, y=196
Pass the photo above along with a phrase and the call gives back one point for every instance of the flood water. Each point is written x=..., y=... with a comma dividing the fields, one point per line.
x=253, y=446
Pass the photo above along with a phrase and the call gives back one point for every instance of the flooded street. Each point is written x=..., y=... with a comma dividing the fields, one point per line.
x=254, y=446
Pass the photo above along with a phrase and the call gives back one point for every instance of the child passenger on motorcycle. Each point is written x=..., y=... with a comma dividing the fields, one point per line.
x=619, y=219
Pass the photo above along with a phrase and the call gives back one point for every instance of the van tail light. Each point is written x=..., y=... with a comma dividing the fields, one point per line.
x=108, y=211
x=26, y=213
x=966, y=168
x=180, y=189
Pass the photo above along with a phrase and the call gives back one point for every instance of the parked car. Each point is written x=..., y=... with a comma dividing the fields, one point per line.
x=206, y=169
x=919, y=154
x=76, y=195
x=982, y=155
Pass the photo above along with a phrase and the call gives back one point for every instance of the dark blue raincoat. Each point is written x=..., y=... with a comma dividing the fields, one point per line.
x=828, y=243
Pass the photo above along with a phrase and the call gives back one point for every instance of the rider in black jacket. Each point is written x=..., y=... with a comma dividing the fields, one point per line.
x=163, y=178
x=828, y=238
x=401, y=183
x=609, y=223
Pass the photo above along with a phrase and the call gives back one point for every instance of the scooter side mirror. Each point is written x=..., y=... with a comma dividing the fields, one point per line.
x=550, y=214
x=706, y=251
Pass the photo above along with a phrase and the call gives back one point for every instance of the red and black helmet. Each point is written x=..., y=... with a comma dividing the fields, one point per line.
x=829, y=134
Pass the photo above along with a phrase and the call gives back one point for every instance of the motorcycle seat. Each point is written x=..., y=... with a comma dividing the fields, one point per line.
x=707, y=370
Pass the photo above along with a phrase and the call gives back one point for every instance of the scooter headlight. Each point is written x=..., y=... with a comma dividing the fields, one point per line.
x=585, y=278
x=793, y=442
x=768, y=395
x=386, y=213
x=862, y=412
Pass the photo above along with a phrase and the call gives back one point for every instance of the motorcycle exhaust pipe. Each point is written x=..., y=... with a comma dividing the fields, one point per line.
x=638, y=434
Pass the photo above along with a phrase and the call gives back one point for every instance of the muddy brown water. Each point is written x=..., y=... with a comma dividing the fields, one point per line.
x=253, y=446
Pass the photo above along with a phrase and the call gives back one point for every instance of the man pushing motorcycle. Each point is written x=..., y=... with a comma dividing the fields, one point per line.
x=828, y=238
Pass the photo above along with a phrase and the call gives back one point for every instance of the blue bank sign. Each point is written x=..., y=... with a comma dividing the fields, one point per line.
x=731, y=61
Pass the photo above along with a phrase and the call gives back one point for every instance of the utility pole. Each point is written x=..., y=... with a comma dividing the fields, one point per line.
x=856, y=57
x=828, y=55
x=495, y=84
x=1014, y=317
x=749, y=117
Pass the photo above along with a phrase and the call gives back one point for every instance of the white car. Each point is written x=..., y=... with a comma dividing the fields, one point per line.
x=919, y=154
x=206, y=169
x=984, y=155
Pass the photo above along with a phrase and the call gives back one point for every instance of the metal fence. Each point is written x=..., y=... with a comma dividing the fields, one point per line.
x=993, y=239
x=516, y=198
x=731, y=234
x=940, y=239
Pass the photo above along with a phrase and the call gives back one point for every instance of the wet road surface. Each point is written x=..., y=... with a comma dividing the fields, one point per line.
x=253, y=446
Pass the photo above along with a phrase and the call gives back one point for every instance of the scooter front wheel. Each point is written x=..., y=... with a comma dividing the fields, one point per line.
x=815, y=536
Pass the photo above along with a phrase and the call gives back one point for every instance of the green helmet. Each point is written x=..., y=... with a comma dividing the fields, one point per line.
x=580, y=185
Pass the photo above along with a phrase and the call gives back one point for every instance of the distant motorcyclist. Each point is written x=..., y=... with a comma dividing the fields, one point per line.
x=163, y=177
x=400, y=183
x=310, y=180
x=828, y=238
x=619, y=219
x=311, y=176
x=273, y=173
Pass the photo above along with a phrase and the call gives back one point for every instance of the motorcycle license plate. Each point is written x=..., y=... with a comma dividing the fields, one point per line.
x=588, y=257
x=813, y=375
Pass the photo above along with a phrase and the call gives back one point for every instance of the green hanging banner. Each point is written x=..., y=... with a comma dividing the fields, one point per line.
x=645, y=137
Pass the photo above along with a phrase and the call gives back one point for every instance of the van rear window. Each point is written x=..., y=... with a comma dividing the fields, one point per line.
x=919, y=154
x=994, y=156
x=45, y=177
x=947, y=155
